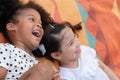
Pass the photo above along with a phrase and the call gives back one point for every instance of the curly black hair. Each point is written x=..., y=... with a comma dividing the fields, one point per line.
x=9, y=11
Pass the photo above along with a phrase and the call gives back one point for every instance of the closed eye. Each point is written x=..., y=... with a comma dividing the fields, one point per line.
x=71, y=43
x=32, y=19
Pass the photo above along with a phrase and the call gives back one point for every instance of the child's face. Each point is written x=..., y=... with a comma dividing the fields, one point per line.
x=70, y=46
x=28, y=31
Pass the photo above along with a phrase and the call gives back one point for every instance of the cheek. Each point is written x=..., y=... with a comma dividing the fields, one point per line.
x=70, y=49
x=42, y=32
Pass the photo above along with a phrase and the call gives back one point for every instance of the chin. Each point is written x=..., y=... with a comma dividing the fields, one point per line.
x=77, y=55
x=35, y=44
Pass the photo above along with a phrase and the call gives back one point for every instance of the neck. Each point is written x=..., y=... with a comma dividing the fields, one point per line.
x=23, y=47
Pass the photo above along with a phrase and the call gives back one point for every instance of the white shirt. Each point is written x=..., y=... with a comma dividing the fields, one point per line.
x=88, y=68
x=15, y=60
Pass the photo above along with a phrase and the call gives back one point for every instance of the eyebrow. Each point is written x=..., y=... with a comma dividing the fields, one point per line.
x=34, y=17
x=30, y=15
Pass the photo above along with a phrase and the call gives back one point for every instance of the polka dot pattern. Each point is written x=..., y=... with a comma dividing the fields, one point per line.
x=15, y=60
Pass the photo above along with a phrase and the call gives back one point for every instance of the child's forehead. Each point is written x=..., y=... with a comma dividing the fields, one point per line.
x=66, y=35
x=66, y=32
x=28, y=11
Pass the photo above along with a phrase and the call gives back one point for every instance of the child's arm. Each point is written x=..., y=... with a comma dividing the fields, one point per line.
x=3, y=73
x=108, y=71
x=40, y=71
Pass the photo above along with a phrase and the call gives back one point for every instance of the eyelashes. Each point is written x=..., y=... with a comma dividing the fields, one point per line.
x=32, y=19
x=71, y=43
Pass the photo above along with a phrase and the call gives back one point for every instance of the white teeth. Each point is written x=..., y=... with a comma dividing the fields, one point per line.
x=36, y=33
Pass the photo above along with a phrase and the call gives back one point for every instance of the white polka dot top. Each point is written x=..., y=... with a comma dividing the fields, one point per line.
x=15, y=60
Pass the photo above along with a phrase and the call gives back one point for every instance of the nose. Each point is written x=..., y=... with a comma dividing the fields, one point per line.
x=39, y=25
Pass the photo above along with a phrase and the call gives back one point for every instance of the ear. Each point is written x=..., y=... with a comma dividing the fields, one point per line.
x=10, y=27
x=56, y=55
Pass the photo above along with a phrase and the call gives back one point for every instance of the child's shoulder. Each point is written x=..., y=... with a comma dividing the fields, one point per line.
x=88, y=61
x=86, y=47
x=86, y=50
x=6, y=46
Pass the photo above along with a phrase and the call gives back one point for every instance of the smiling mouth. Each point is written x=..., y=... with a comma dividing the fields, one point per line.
x=36, y=33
